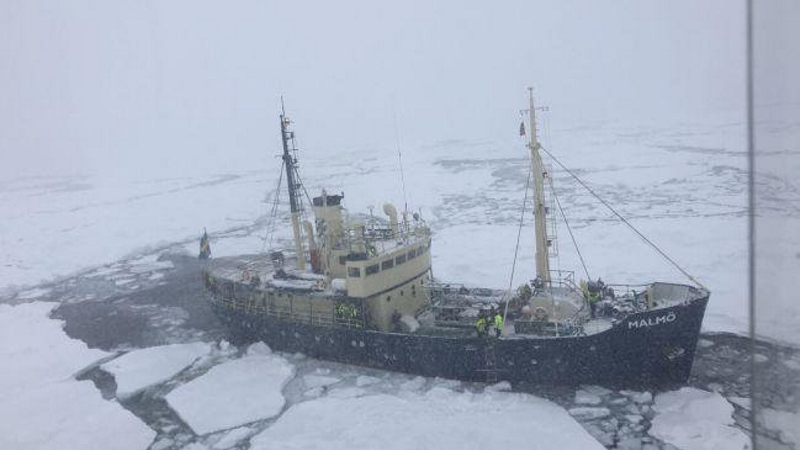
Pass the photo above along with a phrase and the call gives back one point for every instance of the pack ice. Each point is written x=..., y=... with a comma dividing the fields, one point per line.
x=43, y=406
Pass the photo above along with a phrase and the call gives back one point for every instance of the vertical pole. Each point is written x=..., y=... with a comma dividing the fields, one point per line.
x=292, y=186
x=537, y=170
x=751, y=227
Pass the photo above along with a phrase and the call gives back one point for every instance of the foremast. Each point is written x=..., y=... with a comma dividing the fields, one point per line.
x=290, y=163
x=539, y=210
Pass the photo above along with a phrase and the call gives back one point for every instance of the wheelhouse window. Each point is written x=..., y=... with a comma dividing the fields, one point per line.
x=400, y=259
x=342, y=260
x=353, y=272
x=372, y=270
x=412, y=254
x=388, y=264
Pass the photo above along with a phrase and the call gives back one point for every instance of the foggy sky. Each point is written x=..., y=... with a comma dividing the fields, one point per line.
x=126, y=86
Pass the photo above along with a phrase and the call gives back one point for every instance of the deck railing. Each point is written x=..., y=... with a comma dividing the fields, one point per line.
x=255, y=302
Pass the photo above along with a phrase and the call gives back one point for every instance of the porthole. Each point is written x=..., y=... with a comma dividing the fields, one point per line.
x=388, y=298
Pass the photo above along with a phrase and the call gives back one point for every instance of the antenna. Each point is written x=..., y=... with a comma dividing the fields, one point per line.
x=400, y=157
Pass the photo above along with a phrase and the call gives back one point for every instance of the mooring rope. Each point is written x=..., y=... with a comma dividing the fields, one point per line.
x=625, y=221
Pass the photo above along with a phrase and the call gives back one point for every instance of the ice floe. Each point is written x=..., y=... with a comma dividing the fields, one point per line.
x=234, y=393
x=787, y=424
x=43, y=406
x=693, y=419
x=437, y=419
x=139, y=369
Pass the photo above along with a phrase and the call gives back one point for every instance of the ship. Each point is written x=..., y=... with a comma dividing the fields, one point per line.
x=358, y=289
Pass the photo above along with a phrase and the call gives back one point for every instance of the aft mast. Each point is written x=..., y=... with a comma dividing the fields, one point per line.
x=290, y=162
x=539, y=210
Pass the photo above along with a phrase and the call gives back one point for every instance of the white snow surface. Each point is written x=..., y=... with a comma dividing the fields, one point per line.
x=139, y=369
x=233, y=393
x=680, y=183
x=438, y=419
x=43, y=406
x=693, y=419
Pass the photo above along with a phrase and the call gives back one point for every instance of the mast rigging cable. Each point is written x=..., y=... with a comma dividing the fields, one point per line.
x=625, y=221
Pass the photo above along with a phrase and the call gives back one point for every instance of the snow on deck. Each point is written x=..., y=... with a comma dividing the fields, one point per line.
x=693, y=419
x=140, y=369
x=234, y=393
x=43, y=406
x=438, y=419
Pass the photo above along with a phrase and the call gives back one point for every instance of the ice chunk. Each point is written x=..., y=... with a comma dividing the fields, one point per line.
x=589, y=413
x=446, y=420
x=232, y=437
x=43, y=406
x=233, y=393
x=638, y=397
x=693, y=419
x=584, y=397
x=500, y=386
x=139, y=369
x=705, y=343
x=313, y=381
x=259, y=348
x=786, y=423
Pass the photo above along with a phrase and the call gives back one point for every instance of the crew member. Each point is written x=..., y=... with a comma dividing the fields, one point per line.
x=498, y=323
x=480, y=324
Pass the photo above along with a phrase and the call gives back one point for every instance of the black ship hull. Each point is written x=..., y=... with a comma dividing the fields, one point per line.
x=650, y=348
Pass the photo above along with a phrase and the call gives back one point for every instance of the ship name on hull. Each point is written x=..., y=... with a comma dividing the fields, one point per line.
x=652, y=321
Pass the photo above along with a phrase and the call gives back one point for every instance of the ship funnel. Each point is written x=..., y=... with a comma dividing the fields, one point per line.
x=390, y=211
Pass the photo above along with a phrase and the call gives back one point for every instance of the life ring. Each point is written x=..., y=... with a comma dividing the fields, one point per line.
x=540, y=314
x=245, y=275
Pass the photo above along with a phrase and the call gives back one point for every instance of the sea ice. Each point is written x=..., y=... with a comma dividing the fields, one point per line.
x=139, y=369
x=232, y=437
x=438, y=419
x=589, y=413
x=693, y=419
x=583, y=397
x=43, y=406
x=37, y=349
x=233, y=393
x=313, y=381
x=33, y=293
x=786, y=423
x=638, y=397
x=366, y=380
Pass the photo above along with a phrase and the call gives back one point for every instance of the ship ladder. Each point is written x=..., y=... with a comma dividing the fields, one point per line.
x=490, y=359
